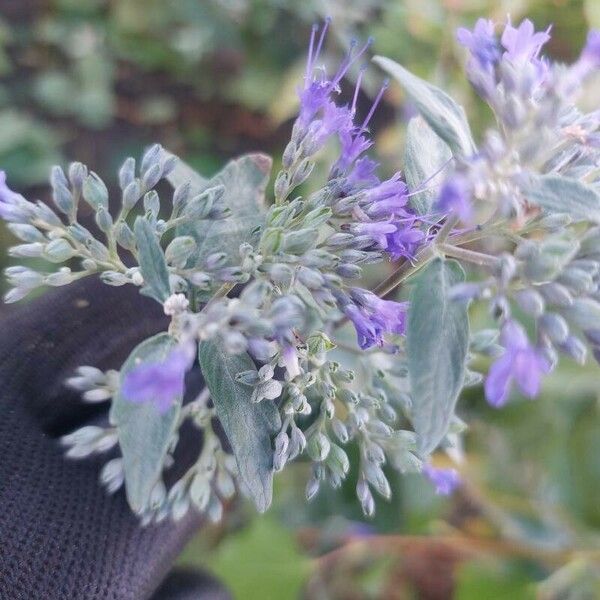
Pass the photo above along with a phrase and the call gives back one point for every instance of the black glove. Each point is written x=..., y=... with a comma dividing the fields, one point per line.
x=61, y=535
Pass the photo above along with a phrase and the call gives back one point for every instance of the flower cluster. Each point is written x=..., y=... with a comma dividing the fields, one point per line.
x=261, y=297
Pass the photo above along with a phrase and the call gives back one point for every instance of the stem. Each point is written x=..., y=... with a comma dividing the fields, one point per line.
x=406, y=270
x=477, y=258
x=446, y=229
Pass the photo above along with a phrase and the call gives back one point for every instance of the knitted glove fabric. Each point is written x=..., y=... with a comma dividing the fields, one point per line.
x=61, y=535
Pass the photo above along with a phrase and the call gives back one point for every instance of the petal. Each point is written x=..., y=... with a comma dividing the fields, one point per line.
x=497, y=384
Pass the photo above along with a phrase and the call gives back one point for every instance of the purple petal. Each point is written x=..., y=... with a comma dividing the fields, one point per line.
x=497, y=384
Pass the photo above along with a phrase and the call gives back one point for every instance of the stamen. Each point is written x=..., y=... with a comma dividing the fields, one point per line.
x=423, y=187
x=322, y=38
x=350, y=60
x=384, y=87
x=357, y=88
x=309, y=61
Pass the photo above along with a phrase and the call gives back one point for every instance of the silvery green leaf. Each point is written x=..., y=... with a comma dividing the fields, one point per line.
x=563, y=195
x=437, y=344
x=182, y=173
x=444, y=115
x=248, y=426
x=144, y=433
x=425, y=154
x=152, y=261
x=245, y=180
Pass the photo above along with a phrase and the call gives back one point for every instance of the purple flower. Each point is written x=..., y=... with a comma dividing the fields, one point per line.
x=159, y=382
x=353, y=141
x=377, y=231
x=481, y=42
x=372, y=317
x=455, y=197
x=405, y=241
x=444, y=480
x=13, y=207
x=363, y=173
x=387, y=198
x=520, y=362
x=289, y=357
x=351, y=147
x=523, y=43
x=591, y=51
x=318, y=88
x=334, y=119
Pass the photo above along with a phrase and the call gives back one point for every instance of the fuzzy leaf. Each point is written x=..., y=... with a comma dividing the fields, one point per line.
x=144, y=433
x=248, y=425
x=245, y=181
x=557, y=194
x=183, y=173
x=437, y=344
x=425, y=154
x=444, y=115
x=152, y=261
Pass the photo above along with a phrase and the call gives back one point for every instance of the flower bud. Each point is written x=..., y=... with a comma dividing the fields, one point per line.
x=530, y=302
x=151, y=157
x=299, y=241
x=554, y=326
x=179, y=250
x=104, y=220
x=61, y=195
x=62, y=277
x=556, y=294
x=58, y=251
x=318, y=446
x=77, y=175
x=124, y=236
x=151, y=177
x=575, y=348
x=127, y=173
x=33, y=250
x=95, y=192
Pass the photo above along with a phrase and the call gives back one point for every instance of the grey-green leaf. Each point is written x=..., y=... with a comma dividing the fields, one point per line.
x=144, y=433
x=444, y=115
x=184, y=173
x=557, y=194
x=152, y=261
x=245, y=181
x=248, y=426
x=425, y=155
x=437, y=344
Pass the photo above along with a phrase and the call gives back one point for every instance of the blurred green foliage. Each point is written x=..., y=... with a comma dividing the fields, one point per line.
x=96, y=80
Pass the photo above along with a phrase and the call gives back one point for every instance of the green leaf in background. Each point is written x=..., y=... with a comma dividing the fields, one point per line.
x=437, y=344
x=556, y=194
x=476, y=581
x=259, y=562
x=248, y=425
x=144, y=433
x=245, y=181
x=152, y=261
x=425, y=154
x=444, y=115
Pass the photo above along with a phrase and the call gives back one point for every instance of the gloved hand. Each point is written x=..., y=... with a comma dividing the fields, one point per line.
x=62, y=537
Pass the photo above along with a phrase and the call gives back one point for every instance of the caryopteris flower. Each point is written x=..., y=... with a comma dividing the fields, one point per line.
x=481, y=42
x=13, y=207
x=521, y=363
x=444, y=480
x=523, y=43
x=160, y=383
x=372, y=317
